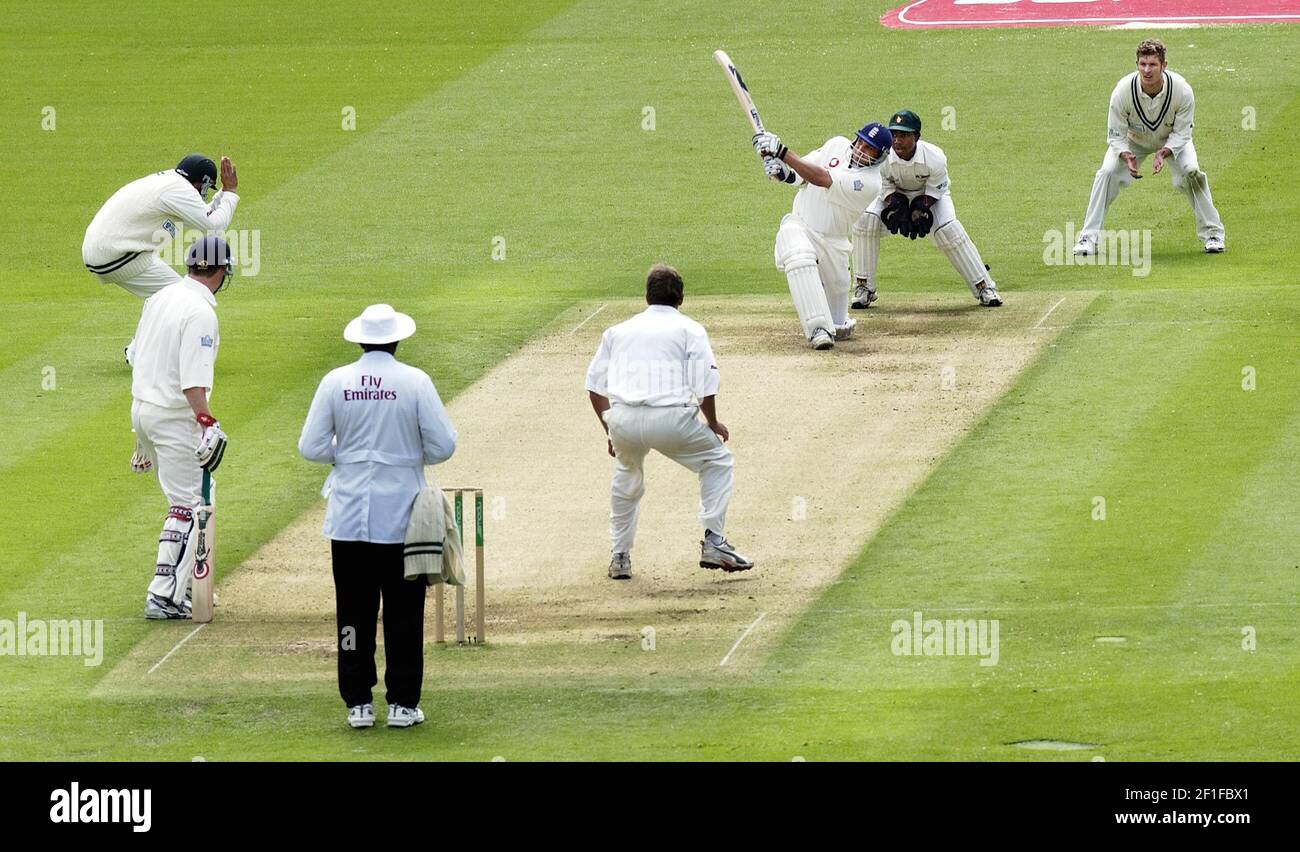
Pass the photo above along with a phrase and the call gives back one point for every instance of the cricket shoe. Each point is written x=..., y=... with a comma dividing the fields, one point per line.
x=404, y=717
x=1214, y=245
x=161, y=609
x=620, y=566
x=822, y=340
x=862, y=297
x=989, y=297
x=722, y=555
x=844, y=332
x=361, y=716
x=1085, y=246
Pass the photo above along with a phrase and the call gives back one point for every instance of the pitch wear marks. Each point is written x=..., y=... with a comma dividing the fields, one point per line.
x=944, y=14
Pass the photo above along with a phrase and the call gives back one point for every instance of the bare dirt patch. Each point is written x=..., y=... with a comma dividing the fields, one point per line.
x=827, y=445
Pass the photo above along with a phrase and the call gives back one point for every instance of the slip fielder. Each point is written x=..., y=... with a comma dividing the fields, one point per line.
x=838, y=182
x=1151, y=112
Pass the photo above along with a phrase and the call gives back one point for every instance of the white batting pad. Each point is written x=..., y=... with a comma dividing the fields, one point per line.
x=956, y=245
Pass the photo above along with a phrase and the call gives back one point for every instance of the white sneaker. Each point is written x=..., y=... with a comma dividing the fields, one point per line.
x=1214, y=245
x=157, y=608
x=989, y=297
x=862, y=297
x=620, y=566
x=822, y=340
x=1085, y=246
x=404, y=717
x=844, y=332
x=361, y=716
x=722, y=556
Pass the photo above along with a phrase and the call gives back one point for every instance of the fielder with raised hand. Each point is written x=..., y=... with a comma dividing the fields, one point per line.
x=915, y=202
x=838, y=181
x=176, y=354
x=1151, y=112
x=121, y=245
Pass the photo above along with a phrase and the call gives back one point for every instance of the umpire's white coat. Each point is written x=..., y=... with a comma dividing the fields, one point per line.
x=378, y=421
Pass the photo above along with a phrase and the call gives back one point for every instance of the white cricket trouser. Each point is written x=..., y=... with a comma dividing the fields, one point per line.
x=1187, y=178
x=143, y=276
x=817, y=269
x=678, y=433
x=169, y=436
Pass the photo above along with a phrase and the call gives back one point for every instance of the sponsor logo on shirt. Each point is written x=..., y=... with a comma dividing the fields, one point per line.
x=170, y=227
x=371, y=391
x=857, y=186
x=206, y=340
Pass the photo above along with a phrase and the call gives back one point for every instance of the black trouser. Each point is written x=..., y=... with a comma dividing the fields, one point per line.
x=364, y=571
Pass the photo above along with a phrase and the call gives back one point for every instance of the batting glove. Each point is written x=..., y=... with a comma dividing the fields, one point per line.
x=777, y=170
x=212, y=447
x=769, y=145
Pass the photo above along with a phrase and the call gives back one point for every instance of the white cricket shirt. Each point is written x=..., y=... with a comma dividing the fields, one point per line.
x=378, y=421
x=1142, y=123
x=660, y=357
x=832, y=210
x=175, y=344
x=926, y=172
x=142, y=216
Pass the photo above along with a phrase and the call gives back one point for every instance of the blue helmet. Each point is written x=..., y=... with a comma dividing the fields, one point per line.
x=877, y=136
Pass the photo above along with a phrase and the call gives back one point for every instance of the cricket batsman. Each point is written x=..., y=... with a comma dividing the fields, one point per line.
x=121, y=245
x=176, y=354
x=915, y=202
x=837, y=182
x=1151, y=113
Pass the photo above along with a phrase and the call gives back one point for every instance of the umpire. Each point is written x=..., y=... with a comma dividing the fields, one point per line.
x=378, y=422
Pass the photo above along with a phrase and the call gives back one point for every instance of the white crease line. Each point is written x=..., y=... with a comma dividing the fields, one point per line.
x=588, y=319
x=1044, y=317
x=748, y=630
x=175, y=648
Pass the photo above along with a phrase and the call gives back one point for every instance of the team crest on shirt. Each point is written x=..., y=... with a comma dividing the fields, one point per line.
x=857, y=186
x=206, y=340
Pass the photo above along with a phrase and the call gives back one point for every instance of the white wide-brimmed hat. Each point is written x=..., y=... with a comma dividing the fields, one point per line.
x=379, y=324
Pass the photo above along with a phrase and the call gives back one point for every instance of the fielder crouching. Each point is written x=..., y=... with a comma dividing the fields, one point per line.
x=915, y=202
x=175, y=358
x=649, y=381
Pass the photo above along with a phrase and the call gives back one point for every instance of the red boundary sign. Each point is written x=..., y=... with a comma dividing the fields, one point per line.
x=941, y=14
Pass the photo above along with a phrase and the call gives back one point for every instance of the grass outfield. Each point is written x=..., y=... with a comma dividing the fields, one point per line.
x=527, y=124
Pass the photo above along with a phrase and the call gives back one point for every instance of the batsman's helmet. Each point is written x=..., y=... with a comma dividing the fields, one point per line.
x=197, y=168
x=208, y=252
x=877, y=136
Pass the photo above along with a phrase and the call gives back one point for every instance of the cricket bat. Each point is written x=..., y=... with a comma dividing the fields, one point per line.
x=740, y=89
x=201, y=583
